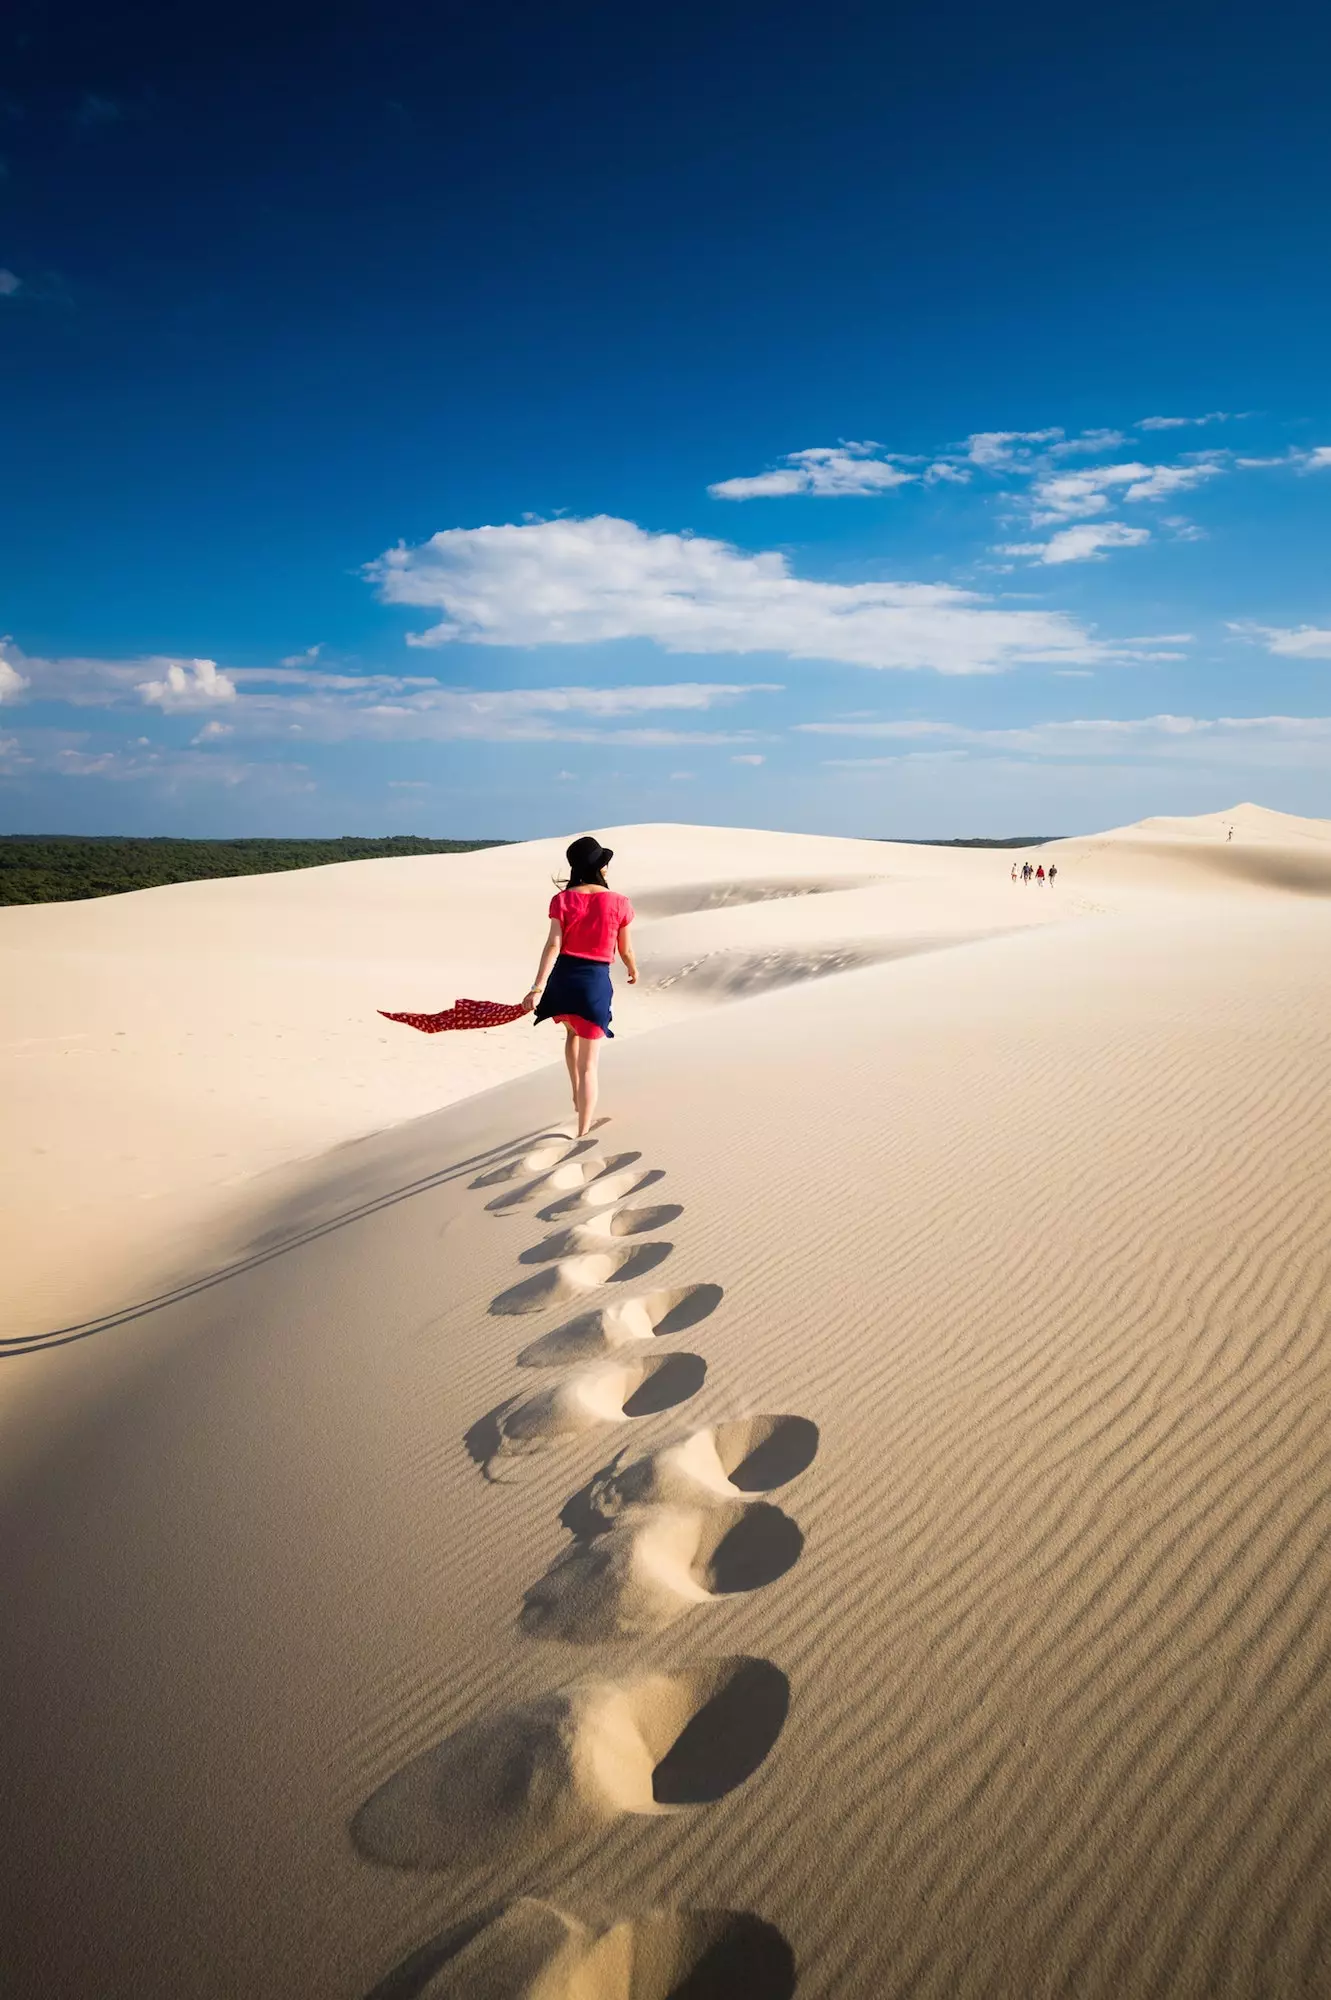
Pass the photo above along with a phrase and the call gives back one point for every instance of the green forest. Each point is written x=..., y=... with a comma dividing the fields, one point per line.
x=66, y=868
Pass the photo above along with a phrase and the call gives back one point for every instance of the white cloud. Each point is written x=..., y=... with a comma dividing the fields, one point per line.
x=305, y=659
x=1277, y=741
x=1086, y=543
x=1180, y=423
x=578, y=582
x=943, y=469
x=75, y=754
x=995, y=449
x=1296, y=642
x=680, y=777
x=749, y=759
x=12, y=682
x=333, y=707
x=1070, y=495
x=828, y=471
x=1318, y=459
x=188, y=684
x=409, y=785
x=211, y=732
x=9, y=284
x=1088, y=441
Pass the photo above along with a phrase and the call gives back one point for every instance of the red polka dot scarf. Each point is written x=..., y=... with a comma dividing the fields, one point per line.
x=462, y=1014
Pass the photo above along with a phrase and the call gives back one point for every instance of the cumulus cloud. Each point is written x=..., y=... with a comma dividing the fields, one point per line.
x=1069, y=495
x=749, y=759
x=1086, y=543
x=578, y=582
x=305, y=659
x=188, y=684
x=12, y=682
x=996, y=450
x=1281, y=741
x=1290, y=642
x=1318, y=459
x=212, y=732
x=946, y=470
x=827, y=471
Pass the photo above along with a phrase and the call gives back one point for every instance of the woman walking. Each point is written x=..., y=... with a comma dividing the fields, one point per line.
x=588, y=924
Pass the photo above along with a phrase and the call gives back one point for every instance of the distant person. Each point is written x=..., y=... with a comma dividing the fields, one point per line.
x=1014, y=871
x=1053, y=870
x=1230, y=834
x=1039, y=874
x=589, y=923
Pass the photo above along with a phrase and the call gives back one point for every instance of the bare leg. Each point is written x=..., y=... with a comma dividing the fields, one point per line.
x=585, y=1083
x=571, y=1064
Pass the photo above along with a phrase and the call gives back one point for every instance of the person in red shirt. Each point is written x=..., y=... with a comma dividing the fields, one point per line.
x=589, y=923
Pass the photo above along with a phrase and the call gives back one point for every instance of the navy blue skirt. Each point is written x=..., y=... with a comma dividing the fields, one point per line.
x=580, y=987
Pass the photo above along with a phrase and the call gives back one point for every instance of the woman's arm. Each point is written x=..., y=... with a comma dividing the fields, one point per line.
x=548, y=956
x=626, y=953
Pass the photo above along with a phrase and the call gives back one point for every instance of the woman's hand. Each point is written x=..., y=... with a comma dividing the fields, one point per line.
x=633, y=975
x=529, y=999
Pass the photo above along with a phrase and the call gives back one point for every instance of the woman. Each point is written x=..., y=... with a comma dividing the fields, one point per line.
x=588, y=923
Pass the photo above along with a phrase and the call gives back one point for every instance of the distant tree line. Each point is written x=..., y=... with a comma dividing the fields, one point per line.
x=1016, y=840
x=66, y=868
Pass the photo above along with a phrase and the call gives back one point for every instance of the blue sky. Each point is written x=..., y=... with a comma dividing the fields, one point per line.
x=876, y=422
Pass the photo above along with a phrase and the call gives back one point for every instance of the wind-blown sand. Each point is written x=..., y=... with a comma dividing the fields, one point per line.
x=892, y=1507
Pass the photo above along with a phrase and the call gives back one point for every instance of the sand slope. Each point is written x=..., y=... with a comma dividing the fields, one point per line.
x=895, y=1522
x=162, y=1050
x=161, y=1053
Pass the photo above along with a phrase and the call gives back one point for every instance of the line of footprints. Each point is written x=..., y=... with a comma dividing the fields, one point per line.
x=652, y=1540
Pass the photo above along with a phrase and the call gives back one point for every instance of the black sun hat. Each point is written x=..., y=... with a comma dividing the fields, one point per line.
x=587, y=857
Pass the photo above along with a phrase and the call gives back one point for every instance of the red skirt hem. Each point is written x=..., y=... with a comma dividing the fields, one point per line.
x=585, y=1030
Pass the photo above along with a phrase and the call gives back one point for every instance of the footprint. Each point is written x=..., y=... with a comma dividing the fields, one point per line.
x=572, y=1275
x=656, y=1564
x=609, y=1328
x=602, y=1394
x=547, y=1154
x=530, y=1950
x=602, y=1229
x=569, y=1179
x=574, y=1759
x=725, y=1462
x=601, y=1192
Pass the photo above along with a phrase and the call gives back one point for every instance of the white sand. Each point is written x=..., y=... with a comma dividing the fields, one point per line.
x=1018, y=1685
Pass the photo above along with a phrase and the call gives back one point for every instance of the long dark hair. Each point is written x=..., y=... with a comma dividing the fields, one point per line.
x=587, y=862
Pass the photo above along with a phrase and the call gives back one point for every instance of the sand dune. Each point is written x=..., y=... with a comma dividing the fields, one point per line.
x=169, y=1056
x=901, y=1570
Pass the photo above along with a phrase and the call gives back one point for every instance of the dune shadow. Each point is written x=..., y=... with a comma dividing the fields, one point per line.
x=485, y=1438
x=725, y=1740
x=671, y=1380
x=773, y=1450
x=690, y=897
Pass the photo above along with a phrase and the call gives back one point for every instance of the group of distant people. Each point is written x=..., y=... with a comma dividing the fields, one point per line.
x=1026, y=873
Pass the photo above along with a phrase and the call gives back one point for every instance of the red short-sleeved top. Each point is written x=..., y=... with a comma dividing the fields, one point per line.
x=591, y=921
